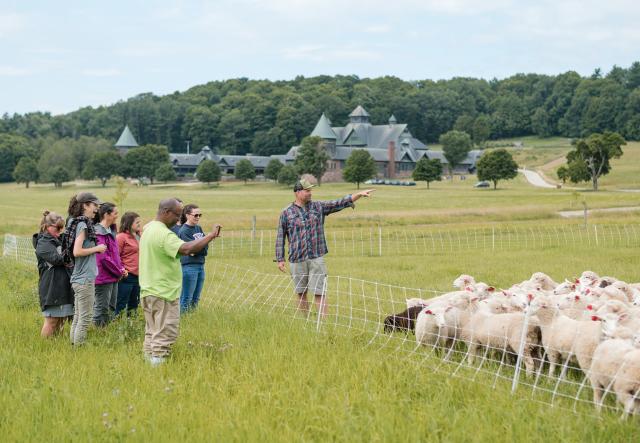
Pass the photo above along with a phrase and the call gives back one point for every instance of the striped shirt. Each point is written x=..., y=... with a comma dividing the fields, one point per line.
x=304, y=226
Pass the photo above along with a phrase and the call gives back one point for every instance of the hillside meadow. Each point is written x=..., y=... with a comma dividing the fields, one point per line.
x=244, y=374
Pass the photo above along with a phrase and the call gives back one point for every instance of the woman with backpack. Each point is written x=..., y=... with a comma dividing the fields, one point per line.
x=54, y=288
x=80, y=247
x=110, y=268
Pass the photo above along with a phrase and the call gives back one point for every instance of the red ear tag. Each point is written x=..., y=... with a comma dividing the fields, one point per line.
x=577, y=281
x=577, y=297
x=590, y=307
x=588, y=291
x=529, y=297
x=594, y=318
x=491, y=289
x=428, y=311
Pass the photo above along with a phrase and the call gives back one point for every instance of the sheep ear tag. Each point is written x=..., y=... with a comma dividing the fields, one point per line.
x=594, y=318
x=530, y=297
x=491, y=289
x=577, y=297
x=428, y=311
x=589, y=307
x=577, y=282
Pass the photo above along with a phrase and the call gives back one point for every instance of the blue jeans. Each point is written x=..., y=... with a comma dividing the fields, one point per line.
x=192, y=281
x=128, y=294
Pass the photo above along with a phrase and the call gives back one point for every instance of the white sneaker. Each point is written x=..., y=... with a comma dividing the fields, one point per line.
x=156, y=361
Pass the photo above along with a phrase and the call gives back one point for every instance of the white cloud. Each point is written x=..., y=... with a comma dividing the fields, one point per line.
x=377, y=29
x=13, y=71
x=323, y=53
x=108, y=72
x=12, y=23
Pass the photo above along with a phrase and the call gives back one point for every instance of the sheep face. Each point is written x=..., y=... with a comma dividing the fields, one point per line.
x=463, y=281
x=564, y=288
x=614, y=307
x=588, y=279
x=568, y=301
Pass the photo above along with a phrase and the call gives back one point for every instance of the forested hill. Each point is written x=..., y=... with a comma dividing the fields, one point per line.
x=267, y=117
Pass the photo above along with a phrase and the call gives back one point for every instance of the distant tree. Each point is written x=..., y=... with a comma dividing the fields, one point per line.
x=26, y=171
x=12, y=149
x=59, y=175
x=590, y=159
x=481, y=128
x=428, y=170
x=103, y=165
x=208, y=171
x=312, y=158
x=497, y=165
x=244, y=170
x=455, y=145
x=563, y=173
x=288, y=175
x=166, y=173
x=359, y=167
x=145, y=160
x=273, y=169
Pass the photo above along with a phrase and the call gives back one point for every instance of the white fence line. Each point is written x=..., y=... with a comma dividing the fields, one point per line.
x=389, y=241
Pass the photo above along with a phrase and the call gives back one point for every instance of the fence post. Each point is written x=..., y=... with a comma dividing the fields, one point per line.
x=380, y=240
x=595, y=230
x=261, y=238
x=493, y=238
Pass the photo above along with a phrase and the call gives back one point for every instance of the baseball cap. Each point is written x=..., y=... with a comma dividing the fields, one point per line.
x=302, y=184
x=88, y=197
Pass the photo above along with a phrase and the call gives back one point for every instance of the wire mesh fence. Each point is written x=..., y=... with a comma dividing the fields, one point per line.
x=379, y=241
x=469, y=343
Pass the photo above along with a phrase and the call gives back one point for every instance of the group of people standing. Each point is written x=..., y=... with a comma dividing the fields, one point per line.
x=91, y=270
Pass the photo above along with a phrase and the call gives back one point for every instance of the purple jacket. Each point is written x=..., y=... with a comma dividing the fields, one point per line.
x=110, y=267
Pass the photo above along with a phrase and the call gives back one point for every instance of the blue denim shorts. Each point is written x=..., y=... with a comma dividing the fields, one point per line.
x=58, y=311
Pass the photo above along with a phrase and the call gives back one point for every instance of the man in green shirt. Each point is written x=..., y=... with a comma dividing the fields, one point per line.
x=161, y=278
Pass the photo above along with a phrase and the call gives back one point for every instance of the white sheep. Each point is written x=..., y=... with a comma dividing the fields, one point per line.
x=631, y=293
x=626, y=316
x=574, y=306
x=565, y=288
x=564, y=337
x=463, y=281
x=588, y=279
x=501, y=331
x=608, y=359
x=627, y=383
x=438, y=324
x=543, y=281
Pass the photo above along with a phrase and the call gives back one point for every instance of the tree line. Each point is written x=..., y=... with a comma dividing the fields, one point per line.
x=267, y=117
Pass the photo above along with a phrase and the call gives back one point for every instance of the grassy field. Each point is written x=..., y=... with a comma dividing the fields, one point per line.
x=248, y=375
x=447, y=202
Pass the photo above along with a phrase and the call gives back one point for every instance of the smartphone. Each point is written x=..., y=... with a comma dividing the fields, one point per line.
x=218, y=230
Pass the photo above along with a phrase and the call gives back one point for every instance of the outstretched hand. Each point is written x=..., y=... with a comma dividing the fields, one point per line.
x=281, y=266
x=366, y=192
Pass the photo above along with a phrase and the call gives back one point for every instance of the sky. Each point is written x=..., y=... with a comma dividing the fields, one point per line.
x=59, y=56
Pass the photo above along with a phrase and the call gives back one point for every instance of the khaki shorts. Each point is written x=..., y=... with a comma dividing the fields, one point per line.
x=309, y=275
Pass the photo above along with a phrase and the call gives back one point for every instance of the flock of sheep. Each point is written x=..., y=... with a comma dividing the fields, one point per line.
x=593, y=321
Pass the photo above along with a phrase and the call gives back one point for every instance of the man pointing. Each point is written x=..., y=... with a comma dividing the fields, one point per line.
x=302, y=222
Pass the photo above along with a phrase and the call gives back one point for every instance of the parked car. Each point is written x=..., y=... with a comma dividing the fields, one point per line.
x=482, y=184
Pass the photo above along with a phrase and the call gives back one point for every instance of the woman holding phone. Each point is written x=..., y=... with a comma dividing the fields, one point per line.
x=192, y=265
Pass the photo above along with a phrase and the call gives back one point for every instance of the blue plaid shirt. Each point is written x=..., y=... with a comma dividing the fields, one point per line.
x=304, y=226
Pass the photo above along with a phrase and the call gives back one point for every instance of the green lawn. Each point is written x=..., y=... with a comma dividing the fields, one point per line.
x=243, y=371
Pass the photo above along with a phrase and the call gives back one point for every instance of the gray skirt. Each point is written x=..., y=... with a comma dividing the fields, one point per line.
x=59, y=311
